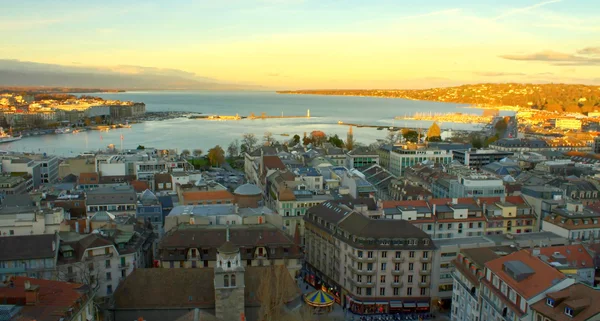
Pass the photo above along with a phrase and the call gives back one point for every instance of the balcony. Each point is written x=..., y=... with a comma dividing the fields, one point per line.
x=425, y=272
x=362, y=258
x=124, y=266
x=363, y=284
x=425, y=259
x=397, y=272
x=398, y=284
x=398, y=259
x=424, y=284
x=362, y=272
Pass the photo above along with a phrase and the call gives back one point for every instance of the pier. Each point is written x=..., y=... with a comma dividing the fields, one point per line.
x=252, y=116
x=449, y=118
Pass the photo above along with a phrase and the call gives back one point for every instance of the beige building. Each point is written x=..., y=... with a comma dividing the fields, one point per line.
x=369, y=265
x=76, y=166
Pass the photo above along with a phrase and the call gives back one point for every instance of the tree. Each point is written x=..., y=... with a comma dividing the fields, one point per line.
x=268, y=138
x=274, y=291
x=141, y=147
x=295, y=140
x=185, y=153
x=434, y=138
x=391, y=138
x=306, y=141
x=318, y=137
x=434, y=131
x=233, y=148
x=249, y=142
x=98, y=120
x=336, y=141
x=81, y=272
x=87, y=121
x=198, y=152
x=349, y=142
x=410, y=136
x=476, y=142
x=216, y=156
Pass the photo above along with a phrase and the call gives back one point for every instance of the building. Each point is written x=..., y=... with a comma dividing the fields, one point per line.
x=568, y=123
x=361, y=158
x=103, y=260
x=149, y=209
x=204, y=193
x=15, y=165
x=479, y=157
x=369, y=265
x=514, y=282
x=308, y=178
x=119, y=199
x=32, y=256
x=468, y=186
x=508, y=215
x=572, y=260
x=73, y=203
x=14, y=185
x=220, y=293
x=542, y=199
x=48, y=167
x=195, y=246
x=33, y=299
x=400, y=159
x=573, y=221
x=24, y=218
x=163, y=182
x=76, y=165
x=469, y=270
x=596, y=145
x=574, y=303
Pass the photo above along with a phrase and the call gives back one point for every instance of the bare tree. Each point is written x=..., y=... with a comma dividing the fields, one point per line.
x=80, y=272
x=249, y=142
x=234, y=148
x=197, y=152
x=268, y=138
x=185, y=153
x=273, y=293
x=391, y=138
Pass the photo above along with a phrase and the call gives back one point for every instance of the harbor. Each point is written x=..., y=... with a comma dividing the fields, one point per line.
x=461, y=118
x=252, y=116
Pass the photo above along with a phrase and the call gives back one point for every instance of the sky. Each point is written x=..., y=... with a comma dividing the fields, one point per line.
x=301, y=44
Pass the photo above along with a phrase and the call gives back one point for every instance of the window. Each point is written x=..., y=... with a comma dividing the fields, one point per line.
x=423, y=291
x=370, y=254
x=360, y=254
x=569, y=311
x=109, y=289
x=411, y=254
x=550, y=302
x=383, y=266
x=384, y=254
x=233, y=280
x=398, y=254
x=369, y=292
x=369, y=266
x=359, y=291
x=382, y=279
x=408, y=291
x=410, y=279
x=411, y=266
x=381, y=291
x=226, y=280
x=396, y=279
x=397, y=267
x=108, y=276
x=396, y=291
x=11, y=232
x=425, y=254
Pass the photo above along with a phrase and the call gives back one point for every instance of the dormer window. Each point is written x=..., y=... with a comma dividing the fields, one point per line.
x=550, y=302
x=569, y=311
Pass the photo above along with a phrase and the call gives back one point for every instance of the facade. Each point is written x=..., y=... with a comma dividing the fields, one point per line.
x=573, y=221
x=513, y=283
x=469, y=270
x=48, y=167
x=149, y=209
x=361, y=158
x=30, y=220
x=510, y=215
x=21, y=165
x=574, y=303
x=195, y=246
x=33, y=256
x=479, y=157
x=369, y=265
x=118, y=199
x=403, y=158
x=33, y=299
x=468, y=186
x=568, y=123
x=596, y=145
x=204, y=193
x=14, y=185
x=543, y=199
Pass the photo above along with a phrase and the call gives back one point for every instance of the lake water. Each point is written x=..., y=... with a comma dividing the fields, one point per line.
x=184, y=133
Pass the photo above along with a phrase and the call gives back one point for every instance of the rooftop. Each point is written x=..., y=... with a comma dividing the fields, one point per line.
x=580, y=298
x=28, y=247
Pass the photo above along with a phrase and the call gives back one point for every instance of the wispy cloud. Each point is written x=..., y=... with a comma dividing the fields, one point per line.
x=576, y=26
x=584, y=57
x=521, y=10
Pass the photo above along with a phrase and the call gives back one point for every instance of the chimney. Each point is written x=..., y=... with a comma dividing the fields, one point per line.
x=535, y=251
x=433, y=209
x=32, y=293
x=196, y=314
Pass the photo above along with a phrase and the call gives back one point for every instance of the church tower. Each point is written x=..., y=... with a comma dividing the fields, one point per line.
x=229, y=282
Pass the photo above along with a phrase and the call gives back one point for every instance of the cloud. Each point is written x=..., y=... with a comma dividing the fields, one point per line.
x=584, y=57
x=576, y=26
x=516, y=11
x=12, y=25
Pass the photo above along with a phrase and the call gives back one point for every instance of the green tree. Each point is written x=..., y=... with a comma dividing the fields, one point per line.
x=216, y=156
x=197, y=152
x=336, y=141
x=476, y=142
x=410, y=136
x=233, y=148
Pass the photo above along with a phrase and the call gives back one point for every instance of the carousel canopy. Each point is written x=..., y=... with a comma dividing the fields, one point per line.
x=319, y=299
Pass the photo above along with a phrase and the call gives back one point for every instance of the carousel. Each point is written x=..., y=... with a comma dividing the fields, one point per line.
x=321, y=302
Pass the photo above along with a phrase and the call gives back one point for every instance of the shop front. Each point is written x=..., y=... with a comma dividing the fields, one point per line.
x=319, y=282
x=383, y=307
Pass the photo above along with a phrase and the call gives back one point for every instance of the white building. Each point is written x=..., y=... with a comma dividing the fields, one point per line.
x=403, y=158
x=573, y=222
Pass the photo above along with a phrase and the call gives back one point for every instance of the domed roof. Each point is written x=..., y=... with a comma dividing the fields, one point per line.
x=247, y=189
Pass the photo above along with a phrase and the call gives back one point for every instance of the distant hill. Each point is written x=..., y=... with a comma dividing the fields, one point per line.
x=554, y=97
x=14, y=73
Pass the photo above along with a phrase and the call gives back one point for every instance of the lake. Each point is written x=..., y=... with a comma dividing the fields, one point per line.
x=183, y=133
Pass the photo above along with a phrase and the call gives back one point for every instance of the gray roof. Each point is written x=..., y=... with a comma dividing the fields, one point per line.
x=111, y=195
x=27, y=247
x=248, y=189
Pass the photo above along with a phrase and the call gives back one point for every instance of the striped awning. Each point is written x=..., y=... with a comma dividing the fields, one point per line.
x=319, y=299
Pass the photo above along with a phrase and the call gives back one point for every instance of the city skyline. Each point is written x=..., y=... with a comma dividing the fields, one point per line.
x=313, y=44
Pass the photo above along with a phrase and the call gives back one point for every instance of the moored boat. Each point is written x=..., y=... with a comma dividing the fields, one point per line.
x=6, y=138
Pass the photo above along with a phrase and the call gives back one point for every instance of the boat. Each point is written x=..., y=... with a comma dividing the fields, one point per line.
x=75, y=131
x=6, y=138
x=285, y=134
x=63, y=130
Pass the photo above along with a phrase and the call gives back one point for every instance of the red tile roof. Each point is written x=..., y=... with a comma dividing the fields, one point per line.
x=89, y=178
x=194, y=196
x=543, y=278
x=55, y=298
x=391, y=204
x=272, y=162
x=139, y=186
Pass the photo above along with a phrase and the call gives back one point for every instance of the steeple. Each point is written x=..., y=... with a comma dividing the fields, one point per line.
x=229, y=280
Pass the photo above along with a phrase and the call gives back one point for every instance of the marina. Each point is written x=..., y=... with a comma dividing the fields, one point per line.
x=252, y=116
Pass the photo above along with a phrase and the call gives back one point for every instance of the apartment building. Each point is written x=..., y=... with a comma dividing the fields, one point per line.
x=21, y=165
x=368, y=265
x=204, y=193
x=103, y=260
x=195, y=246
x=542, y=199
x=513, y=283
x=573, y=221
x=577, y=302
x=508, y=215
x=361, y=158
x=119, y=199
x=14, y=185
x=468, y=186
x=469, y=270
x=572, y=260
x=32, y=256
x=477, y=158
x=48, y=167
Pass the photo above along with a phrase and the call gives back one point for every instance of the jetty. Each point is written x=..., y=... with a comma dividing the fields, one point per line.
x=449, y=117
x=252, y=116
